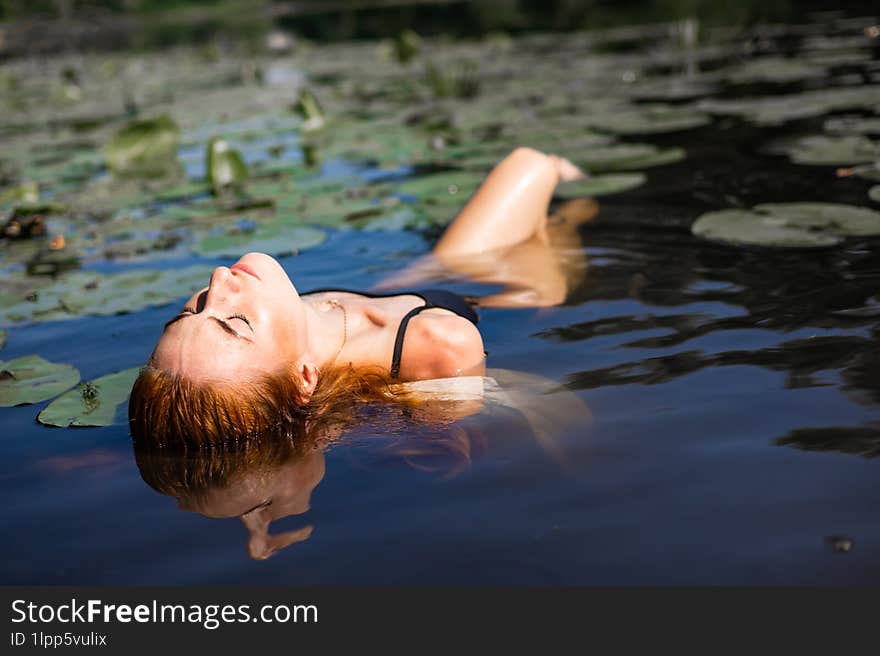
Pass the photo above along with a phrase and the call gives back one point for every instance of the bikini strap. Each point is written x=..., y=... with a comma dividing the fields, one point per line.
x=398, y=340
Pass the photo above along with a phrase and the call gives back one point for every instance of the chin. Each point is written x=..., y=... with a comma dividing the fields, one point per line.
x=266, y=267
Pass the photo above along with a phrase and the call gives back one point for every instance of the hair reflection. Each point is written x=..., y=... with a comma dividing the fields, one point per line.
x=441, y=430
x=273, y=475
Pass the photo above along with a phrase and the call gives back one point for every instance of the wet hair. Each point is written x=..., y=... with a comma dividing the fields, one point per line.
x=443, y=448
x=169, y=410
x=191, y=473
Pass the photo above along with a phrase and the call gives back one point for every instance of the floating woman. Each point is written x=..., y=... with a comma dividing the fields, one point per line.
x=249, y=352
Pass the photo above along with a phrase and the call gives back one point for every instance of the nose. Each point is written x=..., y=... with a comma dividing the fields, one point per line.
x=223, y=284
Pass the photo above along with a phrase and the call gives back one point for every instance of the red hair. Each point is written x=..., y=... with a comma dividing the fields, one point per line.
x=167, y=409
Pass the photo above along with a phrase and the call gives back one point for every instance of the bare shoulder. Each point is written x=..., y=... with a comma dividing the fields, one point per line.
x=440, y=344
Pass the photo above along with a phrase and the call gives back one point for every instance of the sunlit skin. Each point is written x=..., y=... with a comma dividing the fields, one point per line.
x=251, y=320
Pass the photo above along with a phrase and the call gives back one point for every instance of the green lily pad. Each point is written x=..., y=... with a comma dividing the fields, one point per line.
x=453, y=186
x=32, y=379
x=183, y=191
x=225, y=166
x=273, y=238
x=93, y=403
x=775, y=110
x=868, y=171
x=625, y=157
x=833, y=150
x=852, y=125
x=843, y=220
x=650, y=119
x=144, y=148
x=676, y=88
x=27, y=193
x=788, y=225
x=774, y=69
x=25, y=299
x=599, y=185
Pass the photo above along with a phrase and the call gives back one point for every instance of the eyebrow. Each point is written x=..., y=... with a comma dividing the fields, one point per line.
x=225, y=326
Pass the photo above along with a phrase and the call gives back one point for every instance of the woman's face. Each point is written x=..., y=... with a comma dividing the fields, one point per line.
x=248, y=321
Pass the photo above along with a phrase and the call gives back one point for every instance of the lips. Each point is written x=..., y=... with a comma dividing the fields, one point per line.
x=238, y=266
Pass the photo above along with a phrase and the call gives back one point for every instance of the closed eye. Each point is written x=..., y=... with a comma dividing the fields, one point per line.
x=188, y=310
x=242, y=317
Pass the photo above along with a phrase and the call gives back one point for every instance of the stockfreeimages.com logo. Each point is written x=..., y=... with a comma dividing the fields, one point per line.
x=210, y=616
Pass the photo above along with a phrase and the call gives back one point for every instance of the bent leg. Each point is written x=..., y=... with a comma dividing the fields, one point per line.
x=510, y=207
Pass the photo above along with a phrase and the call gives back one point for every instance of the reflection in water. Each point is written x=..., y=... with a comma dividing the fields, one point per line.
x=258, y=481
x=734, y=289
x=858, y=440
x=273, y=476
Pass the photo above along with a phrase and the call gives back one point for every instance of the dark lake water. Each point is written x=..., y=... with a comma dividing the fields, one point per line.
x=730, y=396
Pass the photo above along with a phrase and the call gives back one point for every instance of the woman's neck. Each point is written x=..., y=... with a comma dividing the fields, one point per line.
x=326, y=323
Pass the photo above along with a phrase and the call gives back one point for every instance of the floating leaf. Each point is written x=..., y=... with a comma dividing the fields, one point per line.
x=852, y=125
x=273, y=238
x=774, y=69
x=844, y=220
x=745, y=227
x=788, y=225
x=599, y=185
x=674, y=89
x=225, y=167
x=775, y=110
x=32, y=379
x=24, y=299
x=27, y=193
x=623, y=157
x=183, y=191
x=829, y=150
x=93, y=403
x=649, y=119
x=442, y=187
x=146, y=148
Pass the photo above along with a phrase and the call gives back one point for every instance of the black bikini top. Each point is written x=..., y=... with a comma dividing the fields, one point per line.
x=434, y=298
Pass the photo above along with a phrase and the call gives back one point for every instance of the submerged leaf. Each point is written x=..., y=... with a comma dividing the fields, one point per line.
x=144, y=148
x=93, y=403
x=32, y=379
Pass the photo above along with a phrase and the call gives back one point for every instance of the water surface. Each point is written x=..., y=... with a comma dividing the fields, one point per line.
x=732, y=392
